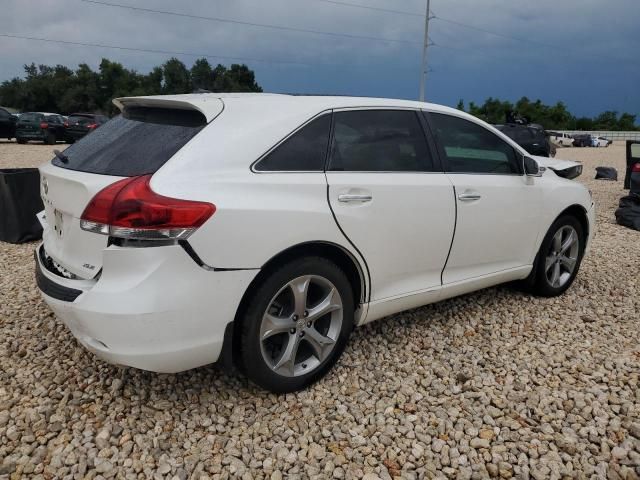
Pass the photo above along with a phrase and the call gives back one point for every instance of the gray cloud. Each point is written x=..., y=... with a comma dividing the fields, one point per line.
x=588, y=41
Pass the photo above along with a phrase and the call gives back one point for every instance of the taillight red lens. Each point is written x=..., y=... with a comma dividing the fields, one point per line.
x=636, y=168
x=130, y=209
x=91, y=126
x=66, y=124
x=44, y=125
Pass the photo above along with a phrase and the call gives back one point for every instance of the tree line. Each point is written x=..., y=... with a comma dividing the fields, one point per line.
x=551, y=117
x=62, y=90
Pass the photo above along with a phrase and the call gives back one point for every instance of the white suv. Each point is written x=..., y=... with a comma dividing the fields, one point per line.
x=260, y=229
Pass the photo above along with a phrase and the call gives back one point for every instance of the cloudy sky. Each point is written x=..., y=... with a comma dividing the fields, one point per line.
x=583, y=52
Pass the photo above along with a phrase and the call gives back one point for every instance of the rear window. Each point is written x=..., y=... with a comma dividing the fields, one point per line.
x=80, y=120
x=31, y=117
x=138, y=142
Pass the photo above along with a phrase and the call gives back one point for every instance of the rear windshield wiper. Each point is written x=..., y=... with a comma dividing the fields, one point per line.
x=61, y=156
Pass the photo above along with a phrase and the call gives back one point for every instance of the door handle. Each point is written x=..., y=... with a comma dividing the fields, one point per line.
x=469, y=197
x=351, y=198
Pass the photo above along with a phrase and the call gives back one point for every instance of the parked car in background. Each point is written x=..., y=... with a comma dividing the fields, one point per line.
x=530, y=137
x=317, y=214
x=40, y=126
x=7, y=124
x=561, y=139
x=582, y=140
x=600, y=141
x=80, y=124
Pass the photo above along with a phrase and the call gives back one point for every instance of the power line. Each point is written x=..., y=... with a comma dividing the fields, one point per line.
x=489, y=32
x=190, y=54
x=252, y=24
x=165, y=52
x=377, y=9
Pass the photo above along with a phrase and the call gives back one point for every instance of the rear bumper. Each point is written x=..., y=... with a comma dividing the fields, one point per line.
x=75, y=135
x=30, y=135
x=150, y=308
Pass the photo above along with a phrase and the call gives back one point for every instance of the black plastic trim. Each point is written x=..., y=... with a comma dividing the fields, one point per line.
x=52, y=289
x=186, y=246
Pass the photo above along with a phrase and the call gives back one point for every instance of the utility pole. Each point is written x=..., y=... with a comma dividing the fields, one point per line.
x=423, y=72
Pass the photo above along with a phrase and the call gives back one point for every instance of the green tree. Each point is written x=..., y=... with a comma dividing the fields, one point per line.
x=202, y=75
x=62, y=90
x=176, y=77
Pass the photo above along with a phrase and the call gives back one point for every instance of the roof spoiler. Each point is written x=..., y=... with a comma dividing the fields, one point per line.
x=209, y=107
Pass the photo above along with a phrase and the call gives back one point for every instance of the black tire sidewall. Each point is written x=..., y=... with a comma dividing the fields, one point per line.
x=542, y=286
x=253, y=365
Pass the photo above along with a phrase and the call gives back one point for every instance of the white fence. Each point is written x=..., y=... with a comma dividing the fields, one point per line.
x=610, y=135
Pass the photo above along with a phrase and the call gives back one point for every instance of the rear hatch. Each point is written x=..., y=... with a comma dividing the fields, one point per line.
x=29, y=123
x=136, y=143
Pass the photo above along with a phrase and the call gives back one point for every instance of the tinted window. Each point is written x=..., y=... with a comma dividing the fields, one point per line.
x=304, y=151
x=4, y=114
x=31, y=117
x=471, y=148
x=80, y=120
x=126, y=147
x=379, y=141
x=53, y=119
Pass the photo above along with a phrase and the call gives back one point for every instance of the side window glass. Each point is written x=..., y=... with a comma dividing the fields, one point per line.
x=304, y=151
x=4, y=115
x=379, y=141
x=471, y=148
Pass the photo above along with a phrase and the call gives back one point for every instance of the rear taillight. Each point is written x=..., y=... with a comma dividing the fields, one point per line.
x=66, y=124
x=635, y=168
x=91, y=126
x=130, y=209
x=44, y=125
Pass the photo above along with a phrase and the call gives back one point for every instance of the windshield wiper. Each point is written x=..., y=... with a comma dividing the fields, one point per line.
x=61, y=156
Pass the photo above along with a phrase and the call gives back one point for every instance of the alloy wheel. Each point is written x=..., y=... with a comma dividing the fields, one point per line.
x=301, y=326
x=562, y=258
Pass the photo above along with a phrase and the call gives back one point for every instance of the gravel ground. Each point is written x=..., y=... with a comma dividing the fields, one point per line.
x=493, y=384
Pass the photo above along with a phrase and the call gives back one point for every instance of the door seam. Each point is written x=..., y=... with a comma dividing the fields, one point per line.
x=453, y=237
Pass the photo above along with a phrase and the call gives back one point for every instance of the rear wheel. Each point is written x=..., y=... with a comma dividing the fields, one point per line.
x=297, y=325
x=21, y=141
x=559, y=258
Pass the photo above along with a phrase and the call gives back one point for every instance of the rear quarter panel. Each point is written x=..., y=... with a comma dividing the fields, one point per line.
x=258, y=215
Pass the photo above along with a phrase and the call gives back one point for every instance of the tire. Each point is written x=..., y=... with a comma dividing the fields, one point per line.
x=50, y=139
x=265, y=361
x=541, y=281
x=21, y=141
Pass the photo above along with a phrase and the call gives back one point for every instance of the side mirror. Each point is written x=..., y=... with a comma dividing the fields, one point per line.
x=531, y=168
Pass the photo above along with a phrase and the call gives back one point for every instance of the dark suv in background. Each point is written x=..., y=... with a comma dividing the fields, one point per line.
x=79, y=124
x=7, y=124
x=41, y=126
x=531, y=137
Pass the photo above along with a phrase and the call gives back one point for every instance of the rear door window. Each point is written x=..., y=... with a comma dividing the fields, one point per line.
x=380, y=141
x=136, y=143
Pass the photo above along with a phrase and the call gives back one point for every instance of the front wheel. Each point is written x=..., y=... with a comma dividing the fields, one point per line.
x=559, y=258
x=297, y=325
